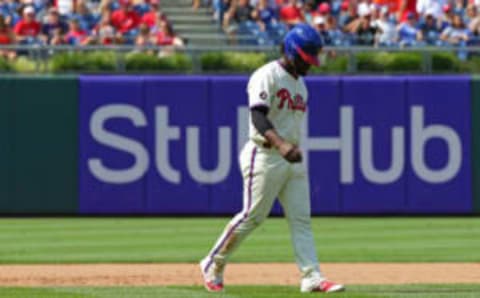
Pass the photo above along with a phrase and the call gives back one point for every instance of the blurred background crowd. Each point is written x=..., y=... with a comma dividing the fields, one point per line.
x=379, y=23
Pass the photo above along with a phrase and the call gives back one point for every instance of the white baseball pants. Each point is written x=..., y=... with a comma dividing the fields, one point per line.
x=266, y=176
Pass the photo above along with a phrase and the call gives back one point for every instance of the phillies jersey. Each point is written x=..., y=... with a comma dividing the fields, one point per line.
x=284, y=95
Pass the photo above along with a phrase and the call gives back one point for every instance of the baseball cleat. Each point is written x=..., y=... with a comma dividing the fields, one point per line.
x=316, y=284
x=212, y=279
x=327, y=286
x=213, y=287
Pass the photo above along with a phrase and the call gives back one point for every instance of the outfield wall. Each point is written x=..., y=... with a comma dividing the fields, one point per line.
x=38, y=145
x=169, y=144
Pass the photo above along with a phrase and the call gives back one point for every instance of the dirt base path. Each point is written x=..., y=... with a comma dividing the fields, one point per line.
x=236, y=274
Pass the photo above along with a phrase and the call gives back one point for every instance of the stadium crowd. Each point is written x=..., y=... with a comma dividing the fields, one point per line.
x=380, y=23
x=84, y=22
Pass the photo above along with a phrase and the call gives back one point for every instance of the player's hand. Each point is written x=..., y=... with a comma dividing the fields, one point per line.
x=290, y=152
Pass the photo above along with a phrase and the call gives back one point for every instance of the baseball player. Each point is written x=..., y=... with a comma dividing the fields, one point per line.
x=271, y=162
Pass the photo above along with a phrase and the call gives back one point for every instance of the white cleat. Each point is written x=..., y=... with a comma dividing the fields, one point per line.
x=324, y=286
x=212, y=278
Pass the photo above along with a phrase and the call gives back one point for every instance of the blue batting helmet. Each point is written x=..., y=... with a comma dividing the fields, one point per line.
x=303, y=41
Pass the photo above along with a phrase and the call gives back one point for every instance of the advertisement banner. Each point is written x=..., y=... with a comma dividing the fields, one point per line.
x=373, y=171
x=475, y=104
x=373, y=145
x=439, y=175
x=321, y=144
x=113, y=159
x=179, y=143
x=229, y=131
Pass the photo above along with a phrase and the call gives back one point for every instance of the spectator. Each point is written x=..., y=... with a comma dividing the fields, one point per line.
x=65, y=7
x=458, y=7
x=348, y=13
x=153, y=15
x=409, y=35
x=53, y=27
x=144, y=41
x=267, y=19
x=76, y=35
x=219, y=9
x=328, y=30
x=434, y=5
x=240, y=13
x=270, y=29
x=324, y=10
x=167, y=38
x=456, y=34
x=386, y=35
x=334, y=31
x=108, y=5
x=27, y=29
x=474, y=24
x=6, y=38
x=335, y=7
x=375, y=12
x=475, y=2
x=10, y=9
x=85, y=17
x=57, y=37
x=309, y=11
x=430, y=28
x=362, y=28
x=291, y=14
x=321, y=27
x=264, y=14
x=392, y=5
x=446, y=18
x=406, y=7
x=161, y=18
x=143, y=6
x=470, y=15
x=239, y=19
x=104, y=32
x=363, y=9
x=144, y=37
x=125, y=19
x=270, y=3
x=24, y=3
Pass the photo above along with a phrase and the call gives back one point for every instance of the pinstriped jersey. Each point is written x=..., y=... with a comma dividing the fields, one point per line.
x=284, y=95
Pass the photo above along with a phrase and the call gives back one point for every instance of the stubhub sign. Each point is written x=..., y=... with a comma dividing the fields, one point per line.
x=373, y=145
x=164, y=133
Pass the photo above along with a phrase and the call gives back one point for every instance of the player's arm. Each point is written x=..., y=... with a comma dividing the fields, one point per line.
x=265, y=127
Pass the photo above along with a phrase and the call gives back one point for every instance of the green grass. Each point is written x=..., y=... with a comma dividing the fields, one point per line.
x=408, y=291
x=96, y=240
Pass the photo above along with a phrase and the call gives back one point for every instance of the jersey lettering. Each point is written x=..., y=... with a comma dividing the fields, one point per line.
x=296, y=104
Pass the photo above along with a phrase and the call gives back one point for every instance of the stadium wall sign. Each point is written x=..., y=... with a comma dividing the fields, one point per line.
x=164, y=133
x=374, y=145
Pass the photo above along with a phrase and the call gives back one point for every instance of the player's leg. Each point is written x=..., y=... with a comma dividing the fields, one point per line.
x=295, y=199
x=263, y=175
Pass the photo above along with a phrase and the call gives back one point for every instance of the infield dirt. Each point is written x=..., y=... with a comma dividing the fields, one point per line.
x=236, y=274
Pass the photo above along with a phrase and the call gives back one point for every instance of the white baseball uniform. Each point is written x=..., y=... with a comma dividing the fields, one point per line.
x=267, y=175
